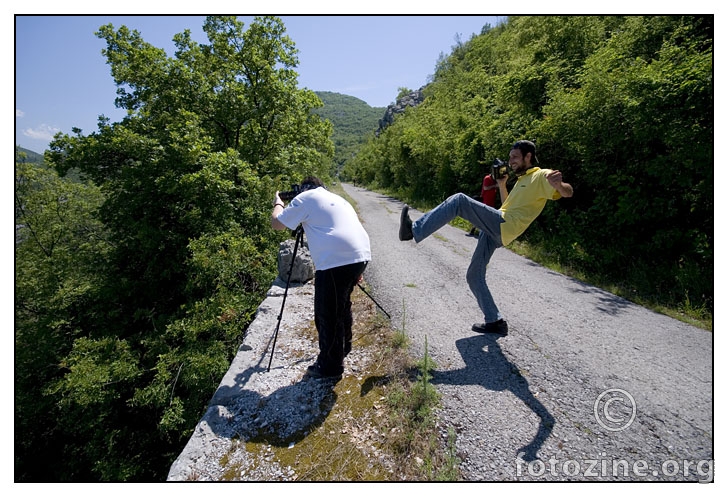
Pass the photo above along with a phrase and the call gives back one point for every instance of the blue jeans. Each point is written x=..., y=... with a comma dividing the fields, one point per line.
x=488, y=221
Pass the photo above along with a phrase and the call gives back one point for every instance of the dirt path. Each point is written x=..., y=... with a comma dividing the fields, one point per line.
x=586, y=386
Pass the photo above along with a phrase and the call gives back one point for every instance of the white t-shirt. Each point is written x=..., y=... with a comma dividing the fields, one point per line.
x=335, y=235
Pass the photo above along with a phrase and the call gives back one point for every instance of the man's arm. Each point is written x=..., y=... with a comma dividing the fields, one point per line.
x=479, y=196
x=555, y=179
x=277, y=209
x=502, y=188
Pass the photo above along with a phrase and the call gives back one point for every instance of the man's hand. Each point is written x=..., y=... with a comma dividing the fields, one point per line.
x=556, y=180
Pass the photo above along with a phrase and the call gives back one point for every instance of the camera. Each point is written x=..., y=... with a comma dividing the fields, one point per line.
x=287, y=196
x=500, y=169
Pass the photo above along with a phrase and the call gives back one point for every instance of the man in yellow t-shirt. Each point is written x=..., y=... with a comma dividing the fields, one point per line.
x=498, y=227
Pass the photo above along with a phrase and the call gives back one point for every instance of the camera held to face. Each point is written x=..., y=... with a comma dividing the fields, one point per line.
x=287, y=196
x=500, y=169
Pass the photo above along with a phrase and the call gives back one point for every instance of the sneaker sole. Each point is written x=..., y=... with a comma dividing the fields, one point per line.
x=404, y=234
x=493, y=332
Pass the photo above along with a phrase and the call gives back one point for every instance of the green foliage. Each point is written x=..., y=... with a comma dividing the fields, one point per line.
x=353, y=121
x=25, y=155
x=94, y=366
x=135, y=288
x=424, y=395
x=622, y=105
x=402, y=91
x=61, y=251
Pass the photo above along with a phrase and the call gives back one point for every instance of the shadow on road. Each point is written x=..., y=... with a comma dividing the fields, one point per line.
x=607, y=302
x=285, y=416
x=485, y=365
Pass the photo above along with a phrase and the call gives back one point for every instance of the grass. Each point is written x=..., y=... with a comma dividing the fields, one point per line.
x=414, y=435
x=686, y=311
x=381, y=425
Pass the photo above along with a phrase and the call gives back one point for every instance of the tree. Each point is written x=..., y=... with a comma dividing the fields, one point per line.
x=353, y=121
x=644, y=105
x=60, y=252
x=187, y=177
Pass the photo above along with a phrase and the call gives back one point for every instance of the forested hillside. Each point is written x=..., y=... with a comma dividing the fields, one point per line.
x=134, y=286
x=622, y=105
x=353, y=120
x=25, y=155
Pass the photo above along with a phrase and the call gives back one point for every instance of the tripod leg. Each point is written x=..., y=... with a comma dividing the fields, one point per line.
x=375, y=302
x=299, y=237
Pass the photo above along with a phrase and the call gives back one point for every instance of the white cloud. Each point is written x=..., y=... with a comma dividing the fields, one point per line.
x=19, y=113
x=42, y=132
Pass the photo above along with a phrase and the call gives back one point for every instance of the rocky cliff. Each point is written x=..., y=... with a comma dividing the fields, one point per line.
x=411, y=99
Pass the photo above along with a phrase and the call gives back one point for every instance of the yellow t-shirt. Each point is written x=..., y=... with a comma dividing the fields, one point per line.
x=525, y=202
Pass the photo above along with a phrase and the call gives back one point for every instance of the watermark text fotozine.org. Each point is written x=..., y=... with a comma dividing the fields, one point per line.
x=605, y=468
x=615, y=410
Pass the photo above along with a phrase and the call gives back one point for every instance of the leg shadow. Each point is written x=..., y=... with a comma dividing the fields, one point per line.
x=485, y=365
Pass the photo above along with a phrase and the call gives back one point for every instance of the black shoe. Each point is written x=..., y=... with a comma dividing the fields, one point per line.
x=472, y=232
x=499, y=327
x=315, y=370
x=405, y=225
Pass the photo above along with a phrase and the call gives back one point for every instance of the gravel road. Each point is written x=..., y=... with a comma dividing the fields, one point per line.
x=586, y=386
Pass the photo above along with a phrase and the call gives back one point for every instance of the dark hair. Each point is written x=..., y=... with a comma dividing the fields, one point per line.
x=311, y=182
x=526, y=147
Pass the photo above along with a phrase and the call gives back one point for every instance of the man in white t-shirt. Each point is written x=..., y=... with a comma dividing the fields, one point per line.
x=340, y=250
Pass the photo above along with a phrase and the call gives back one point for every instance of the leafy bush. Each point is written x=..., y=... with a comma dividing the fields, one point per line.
x=622, y=105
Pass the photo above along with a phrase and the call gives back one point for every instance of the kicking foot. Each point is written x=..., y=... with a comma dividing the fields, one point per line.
x=405, y=225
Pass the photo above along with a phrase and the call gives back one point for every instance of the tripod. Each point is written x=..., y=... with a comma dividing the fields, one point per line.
x=299, y=238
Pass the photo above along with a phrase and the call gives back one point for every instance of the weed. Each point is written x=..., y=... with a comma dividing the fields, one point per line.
x=380, y=424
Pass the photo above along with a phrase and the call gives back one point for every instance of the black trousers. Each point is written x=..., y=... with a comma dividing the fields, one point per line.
x=332, y=313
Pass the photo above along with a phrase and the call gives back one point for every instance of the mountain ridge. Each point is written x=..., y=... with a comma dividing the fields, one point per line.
x=353, y=120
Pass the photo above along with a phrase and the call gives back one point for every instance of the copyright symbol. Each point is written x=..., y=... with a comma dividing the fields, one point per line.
x=615, y=409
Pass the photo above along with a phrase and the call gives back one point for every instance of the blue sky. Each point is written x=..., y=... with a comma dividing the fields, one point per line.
x=62, y=80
